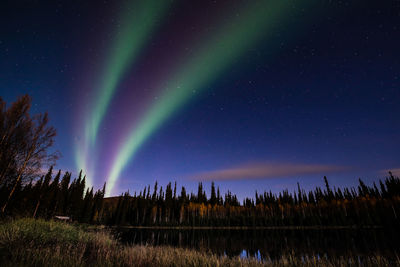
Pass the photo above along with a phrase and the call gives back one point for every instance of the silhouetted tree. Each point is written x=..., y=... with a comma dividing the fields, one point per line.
x=24, y=143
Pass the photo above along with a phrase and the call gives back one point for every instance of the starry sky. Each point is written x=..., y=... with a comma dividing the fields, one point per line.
x=254, y=95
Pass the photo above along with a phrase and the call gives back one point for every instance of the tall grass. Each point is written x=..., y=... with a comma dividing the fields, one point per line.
x=28, y=242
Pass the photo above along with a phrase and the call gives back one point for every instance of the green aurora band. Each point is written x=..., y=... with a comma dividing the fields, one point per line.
x=136, y=26
x=215, y=56
x=138, y=21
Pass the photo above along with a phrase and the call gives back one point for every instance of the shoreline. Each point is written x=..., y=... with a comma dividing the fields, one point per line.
x=248, y=227
x=30, y=242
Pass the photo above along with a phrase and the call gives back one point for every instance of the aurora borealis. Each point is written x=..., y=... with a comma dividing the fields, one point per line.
x=213, y=57
x=244, y=91
x=137, y=22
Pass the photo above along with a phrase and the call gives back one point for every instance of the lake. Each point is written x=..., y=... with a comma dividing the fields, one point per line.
x=270, y=245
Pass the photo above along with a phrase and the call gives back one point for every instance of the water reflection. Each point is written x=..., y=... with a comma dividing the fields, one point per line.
x=271, y=245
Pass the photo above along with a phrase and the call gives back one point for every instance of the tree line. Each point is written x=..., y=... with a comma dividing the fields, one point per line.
x=362, y=206
x=25, y=191
x=53, y=195
x=56, y=194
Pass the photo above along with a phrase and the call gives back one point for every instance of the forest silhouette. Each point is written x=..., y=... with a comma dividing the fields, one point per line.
x=24, y=150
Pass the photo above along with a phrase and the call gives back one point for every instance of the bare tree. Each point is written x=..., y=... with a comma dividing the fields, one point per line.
x=24, y=144
x=13, y=123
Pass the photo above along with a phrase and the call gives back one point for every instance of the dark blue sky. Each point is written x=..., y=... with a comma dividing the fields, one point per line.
x=325, y=93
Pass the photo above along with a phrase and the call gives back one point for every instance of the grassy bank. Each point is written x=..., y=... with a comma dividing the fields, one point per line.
x=28, y=242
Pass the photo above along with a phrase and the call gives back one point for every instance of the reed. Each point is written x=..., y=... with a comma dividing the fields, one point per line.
x=28, y=242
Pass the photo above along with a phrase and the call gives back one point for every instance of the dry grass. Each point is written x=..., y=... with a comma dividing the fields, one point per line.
x=28, y=242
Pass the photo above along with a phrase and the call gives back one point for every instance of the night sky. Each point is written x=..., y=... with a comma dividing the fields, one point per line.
x=255, y=95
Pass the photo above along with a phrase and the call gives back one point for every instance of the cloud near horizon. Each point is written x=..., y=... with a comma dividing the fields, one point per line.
x=394, y=171
x=267, y=171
